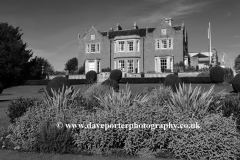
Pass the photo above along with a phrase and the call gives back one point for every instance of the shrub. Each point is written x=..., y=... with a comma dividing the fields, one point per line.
x=51, y=139
x=1, y=88
x=173, y=81
x=18, y=107
x=228, y=75
x=160, y=95
x=217, y=74
x=215, y=139
x=56, y=84
x=111, y=84
x=91, y=77
x=236, y=83
x=191, y=102
x=203, y=74
x=106, y=69
x=116, y=75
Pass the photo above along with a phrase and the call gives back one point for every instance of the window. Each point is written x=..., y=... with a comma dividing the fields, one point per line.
x=92, y=37
x=115, y=47
x=137, y=46
x=164, y=44
x=93, y=48
x=121, y=46
x=130, y=46
x=98, y=66
x=163, y=62
x=130, y=66
x=121, y=64
x=163, y=31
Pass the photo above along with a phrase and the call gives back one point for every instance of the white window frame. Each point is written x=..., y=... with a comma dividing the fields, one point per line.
x=95, y=49
x=92, y=37
x=163, y=31
x=121, y=64
x=132, y=47
x=121, y=46
x=137, y=45
x=130, y=68
x=160, y=46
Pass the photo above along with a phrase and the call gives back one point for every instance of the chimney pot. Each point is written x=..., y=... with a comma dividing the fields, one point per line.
x=168, y=21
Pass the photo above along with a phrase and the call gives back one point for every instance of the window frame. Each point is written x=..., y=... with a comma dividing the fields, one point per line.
x=159, y=45
x=130, y=67
x=128, y=46
x=93, y=37
x=121, y=47
x=164, y=32
x=95, y=49
x=121, y=64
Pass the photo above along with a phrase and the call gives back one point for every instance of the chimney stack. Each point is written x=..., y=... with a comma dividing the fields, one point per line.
x=118, y=27
x=135, y=26
x=168, y=21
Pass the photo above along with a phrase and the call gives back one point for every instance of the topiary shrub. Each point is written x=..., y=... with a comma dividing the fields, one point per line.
x=236, y=83
x=116, y=75
x=217, y=74
x=1, y=88
x=57, y=84
x=91, y=77
x=18, y=107
x=172, y=81
x=228, y=75
x=112, y=84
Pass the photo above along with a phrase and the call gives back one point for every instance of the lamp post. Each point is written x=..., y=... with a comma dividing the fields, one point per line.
x=42, y=69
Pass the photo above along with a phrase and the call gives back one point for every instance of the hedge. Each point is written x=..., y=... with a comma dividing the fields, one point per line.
x=45, y=82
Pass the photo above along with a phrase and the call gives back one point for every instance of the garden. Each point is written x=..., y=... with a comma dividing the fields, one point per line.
x=215, y=107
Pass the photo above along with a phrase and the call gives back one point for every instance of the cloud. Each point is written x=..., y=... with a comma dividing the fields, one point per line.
x=172, y=9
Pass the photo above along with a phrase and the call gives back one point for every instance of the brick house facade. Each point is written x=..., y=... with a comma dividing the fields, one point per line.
x=135, y=50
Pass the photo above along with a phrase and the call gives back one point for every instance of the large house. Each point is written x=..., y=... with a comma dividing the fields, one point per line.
x=135, y=50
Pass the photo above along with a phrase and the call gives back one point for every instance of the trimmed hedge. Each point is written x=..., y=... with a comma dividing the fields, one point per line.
x=57, y=84
x=236, y=83
x=1, y=87
x=45, y=82
x=217, y=74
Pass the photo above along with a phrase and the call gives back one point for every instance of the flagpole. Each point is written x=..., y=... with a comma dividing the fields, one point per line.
x=210, y=45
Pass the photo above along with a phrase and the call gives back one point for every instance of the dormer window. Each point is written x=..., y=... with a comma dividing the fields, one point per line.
x=92, y=37
x=163, y=31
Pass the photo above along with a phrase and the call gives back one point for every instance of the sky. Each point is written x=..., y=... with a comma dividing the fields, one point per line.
x=51, y=27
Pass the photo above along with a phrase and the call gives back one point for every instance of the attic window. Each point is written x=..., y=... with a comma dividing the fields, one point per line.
x=163, y=31
x=92, y=37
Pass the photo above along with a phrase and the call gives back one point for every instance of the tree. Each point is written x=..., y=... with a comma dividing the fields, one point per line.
x=14, y=57
x=71, y=65
x=237, y=64
x=36, y=68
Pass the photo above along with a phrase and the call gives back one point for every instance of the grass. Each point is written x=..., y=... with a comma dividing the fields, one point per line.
x=35, y=92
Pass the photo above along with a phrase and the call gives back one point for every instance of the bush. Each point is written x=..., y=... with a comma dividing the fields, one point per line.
x=91, y=77
x=51, y=139
x=106, y=69
x=217, y=74
x=160, y=95
x=203, y=74
x=1, y=88
x=116, y=75
x=56, y=84
x=236, y=83
x=18, y=107
x=215, y=139
x=111, y=84
x=173, y=81
x=191, y=102
x=228, y=75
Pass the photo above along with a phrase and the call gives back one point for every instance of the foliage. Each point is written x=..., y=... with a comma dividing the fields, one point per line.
x=51, y=139
x=81, y=70
x=173, y=81
x=203, y=74
x=160, y=96
x=190, y=69
x=237, y=64
x=116, y=75
x=217, y=74
x=111, y=84
x=236, y=83
x=14, y=56
x=71, y=65
x=91, y=77
x=36, y=68
x=228, y=75
x=19, y=106
x=56, y=84
x=191, y=102
x=215, y=139
x=1, y=88
x=108, y=69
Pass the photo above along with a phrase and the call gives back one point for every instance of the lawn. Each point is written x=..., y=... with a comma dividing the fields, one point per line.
x=35, y=92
